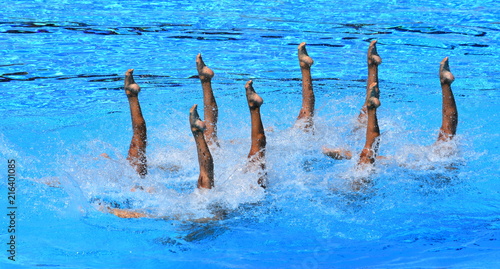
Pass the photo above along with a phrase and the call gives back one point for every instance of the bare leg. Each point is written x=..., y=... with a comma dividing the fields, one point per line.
x=369, y=153
x=126, y=214
x=373, y=60
x=450, y=114
x=258, y=147
x=307, y=111
x=337, y=154
x=206, y=178
x=137, y=150
x=210, y=106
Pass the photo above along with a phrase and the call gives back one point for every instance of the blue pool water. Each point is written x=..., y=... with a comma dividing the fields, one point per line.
x=62, y=105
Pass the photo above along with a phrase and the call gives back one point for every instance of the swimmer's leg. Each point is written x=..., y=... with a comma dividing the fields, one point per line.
x=307, y=111
x=258, y=147
x=206, y=178
x=369, y=153
x=210, y=106
x=450, y=114
x=373, y=61
x=338, y=154
x=137, y=150
x=126, y=214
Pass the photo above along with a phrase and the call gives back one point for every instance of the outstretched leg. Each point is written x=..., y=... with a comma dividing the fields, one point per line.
x=337, y=154
x=258, y=147
x=206, y=178
x=450, y=114
x=373, y=60
x=307, y=111
x=137, y=150
x=370, y=149
x=210, y=106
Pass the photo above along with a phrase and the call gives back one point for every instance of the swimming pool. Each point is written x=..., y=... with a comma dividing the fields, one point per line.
x=62, y=65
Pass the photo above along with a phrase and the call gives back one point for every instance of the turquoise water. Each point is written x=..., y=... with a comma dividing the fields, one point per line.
x=61, y=70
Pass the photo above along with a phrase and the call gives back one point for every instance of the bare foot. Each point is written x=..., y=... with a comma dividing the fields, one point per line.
x=131, y=88
x=304, y=60
x=373, y=57
x=204, y=72
x=373, y=98
x=254, y=100
x=445, y=75
x=197, y=125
